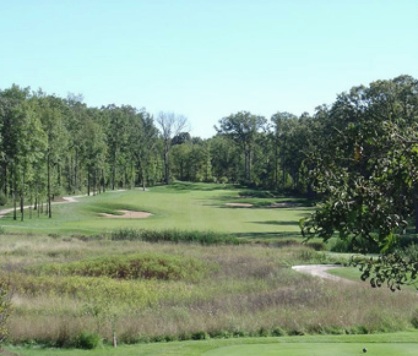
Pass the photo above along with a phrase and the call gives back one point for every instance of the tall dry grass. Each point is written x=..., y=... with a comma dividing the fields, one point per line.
x=242, y=290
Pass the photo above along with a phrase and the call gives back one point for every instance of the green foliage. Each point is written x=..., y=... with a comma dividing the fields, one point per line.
x=201, y=237
x=393, y=269
x=88, y=341
x=3, y=199
x=365, y=171
x=137, y=266
x=414, y=320
x=5, y=306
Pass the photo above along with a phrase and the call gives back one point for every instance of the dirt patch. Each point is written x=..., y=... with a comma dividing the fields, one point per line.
x=127, y=214
x=239, y=205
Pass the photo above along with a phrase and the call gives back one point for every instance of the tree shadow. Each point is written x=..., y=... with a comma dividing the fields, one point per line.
x=267, y=235
x=206, y=187
x=276, y=222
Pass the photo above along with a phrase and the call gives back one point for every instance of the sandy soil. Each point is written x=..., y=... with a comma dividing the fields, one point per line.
x=321, y=271
x=127, y=214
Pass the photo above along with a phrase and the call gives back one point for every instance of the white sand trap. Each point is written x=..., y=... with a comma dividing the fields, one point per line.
x=239, y=205
x=127, y=214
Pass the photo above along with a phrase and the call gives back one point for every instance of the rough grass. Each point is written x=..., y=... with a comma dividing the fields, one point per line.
x=172, y=235
x=239, y=290
x=125, y=267
x=96, y=276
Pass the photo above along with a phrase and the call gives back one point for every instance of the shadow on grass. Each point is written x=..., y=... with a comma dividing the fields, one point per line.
x=207, y=187
x=276, y=222
x=267, y=235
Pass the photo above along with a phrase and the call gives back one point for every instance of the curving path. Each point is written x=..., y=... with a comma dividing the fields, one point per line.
x=69, y=199
x=72, y=199
x=321, y=271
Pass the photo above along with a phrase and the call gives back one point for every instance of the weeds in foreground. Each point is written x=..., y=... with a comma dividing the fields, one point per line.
x=68, y=287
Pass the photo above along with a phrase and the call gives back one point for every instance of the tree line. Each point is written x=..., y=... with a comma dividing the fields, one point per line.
x=50, y=146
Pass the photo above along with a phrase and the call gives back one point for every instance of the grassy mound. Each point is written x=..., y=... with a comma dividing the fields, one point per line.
x=137, y=266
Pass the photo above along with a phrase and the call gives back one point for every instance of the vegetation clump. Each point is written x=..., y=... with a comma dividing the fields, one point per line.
x=173, y=235
x=137, y=266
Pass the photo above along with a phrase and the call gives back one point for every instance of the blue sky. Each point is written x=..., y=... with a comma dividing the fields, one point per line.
x=206, y=59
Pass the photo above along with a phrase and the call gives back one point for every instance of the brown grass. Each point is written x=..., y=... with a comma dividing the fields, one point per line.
x=247, y=290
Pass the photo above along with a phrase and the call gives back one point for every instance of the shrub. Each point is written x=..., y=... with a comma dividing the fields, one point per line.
x=88, y=341
x=137, y=266
x=277, y=331
x=5, y=306
x=200, y=335
x=317, y=245
x=411, y=252
x=3, y=199
x=414, y=320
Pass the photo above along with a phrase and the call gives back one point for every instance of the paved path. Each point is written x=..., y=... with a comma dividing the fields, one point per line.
x=72, y=199
x=321, y=271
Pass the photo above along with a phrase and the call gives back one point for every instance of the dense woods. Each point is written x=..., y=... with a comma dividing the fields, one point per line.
x=51, y=146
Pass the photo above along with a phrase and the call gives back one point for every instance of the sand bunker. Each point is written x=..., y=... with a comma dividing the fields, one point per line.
x=127, y=214
x=239, y=205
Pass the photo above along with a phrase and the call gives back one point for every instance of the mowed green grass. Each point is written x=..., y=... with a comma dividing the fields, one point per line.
x=171, y=208
x=404, y=343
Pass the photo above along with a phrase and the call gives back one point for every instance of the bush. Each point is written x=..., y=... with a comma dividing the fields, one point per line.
x=5, y=307
x=277, y=331
x=200, y=335
x=411, y=252
x=136, y=266
x=414, y=320
x=3, y=199
x=88, y=341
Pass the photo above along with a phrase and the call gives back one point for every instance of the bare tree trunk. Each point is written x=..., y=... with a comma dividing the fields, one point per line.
x=416, y=206
x=21, y=206
x=75, y=171
x=88, y=184
x=49, y=185
x=14, y=195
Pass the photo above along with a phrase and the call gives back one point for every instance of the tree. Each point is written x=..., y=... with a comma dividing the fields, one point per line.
x=225, y=162
x=192, y=160
x=242, y=128
x=171, y=125
x=367, y=173
x=94, y=150
x=51, y=114
x=143, y=140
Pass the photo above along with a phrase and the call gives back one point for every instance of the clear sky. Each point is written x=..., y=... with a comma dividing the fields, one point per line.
x=206, y=59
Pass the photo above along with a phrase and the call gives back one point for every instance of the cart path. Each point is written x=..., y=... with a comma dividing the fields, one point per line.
x=72, y=199
x=321, y=271
x=69, y=199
